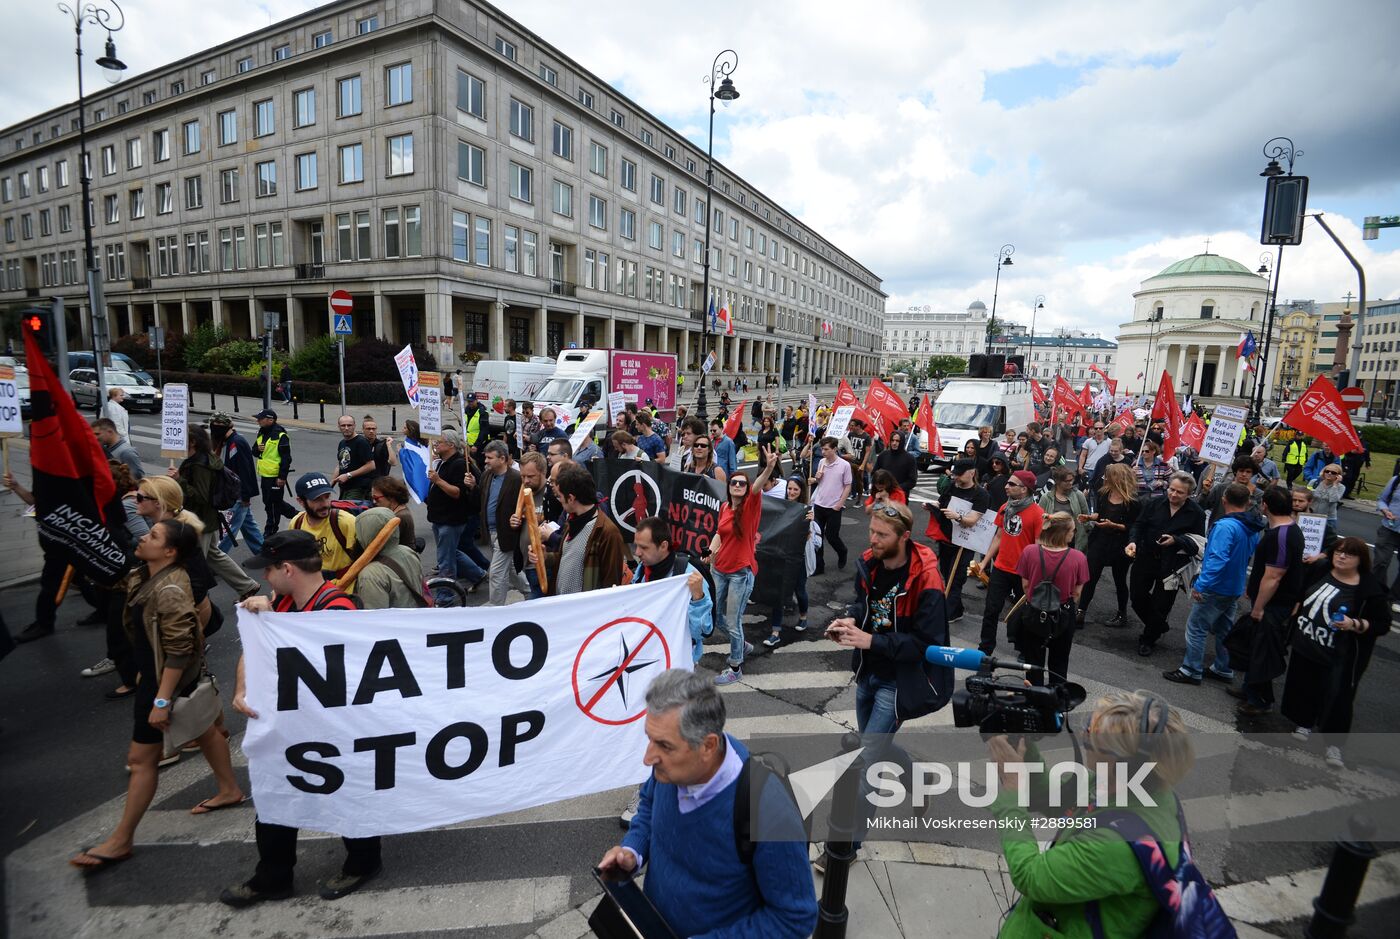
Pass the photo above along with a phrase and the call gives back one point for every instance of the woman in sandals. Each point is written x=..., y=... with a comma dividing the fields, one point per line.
x=168, y=644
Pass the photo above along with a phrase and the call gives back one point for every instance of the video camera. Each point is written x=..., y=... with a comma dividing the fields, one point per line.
x=1005, y=705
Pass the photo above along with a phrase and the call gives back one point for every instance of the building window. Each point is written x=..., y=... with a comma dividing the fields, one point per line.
x=367, y=25
x=471, y=163
x=697, y=253
x=522, y=120
x=401, y=155
x=133, y=154
x=505, y=48
x=549, y=75
x=563, y=199
x=679, y=202
x=655, y=233
x=412, y=231
x=471, y=95
x=304, y=103
x=690, y=164
x=262, y=253
x=137, y=205
x=267, y=178
x=194, y=192
x=176, y=88
x=483, y=242
x=520, y=180
x=306, y=171
x=670, y=152
x=461, y=229
x=598, y=159
x=627, y=224
x=519, y=335
x=699, y=211
x=228, y=128
x=585, y=98
x=529, y=245
x=60, y=172
x=322, y=39
x=283, y=51
x=658, y=190
x=245, y=64
x=555, y=334
x=65, y=219
x=264, y=117
x=617, y=117
x=191, y=129
x=205, y=78
x=398, y=84
x=109, y=165
x=1207, y=311
x=349, y=94
x=228, y=185
x=391, y=232
x=597, y=213
x=362, y=247
x=511, y=258
x=678, y=244
x=344, y=238
x=147, y=97
x=563, y=141
x=352, y=163
x=629, y=175
x=647, y=138
x=165, y=199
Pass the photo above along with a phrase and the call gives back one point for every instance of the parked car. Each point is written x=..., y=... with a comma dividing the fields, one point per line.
x=139, y=395
x=120, y=362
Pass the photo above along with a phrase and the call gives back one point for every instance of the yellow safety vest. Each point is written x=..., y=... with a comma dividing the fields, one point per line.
x=474, y=427
x=1295, y=454
x=270, y=461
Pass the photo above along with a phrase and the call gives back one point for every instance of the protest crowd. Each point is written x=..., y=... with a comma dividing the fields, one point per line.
x=1282, y=609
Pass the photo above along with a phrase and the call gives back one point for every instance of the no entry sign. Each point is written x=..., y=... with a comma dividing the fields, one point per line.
x=342, y=302
x=1353, y=397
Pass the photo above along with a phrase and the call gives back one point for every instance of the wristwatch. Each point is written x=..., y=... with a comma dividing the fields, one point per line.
x=162, y=703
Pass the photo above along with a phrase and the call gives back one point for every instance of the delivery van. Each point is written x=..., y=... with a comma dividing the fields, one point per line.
x=966, y=404
x=494, y=382
x=583, y=378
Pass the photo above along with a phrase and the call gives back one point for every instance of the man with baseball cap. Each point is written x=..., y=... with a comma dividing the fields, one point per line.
x=952, y=563
x=333, y=529
x=273, y=450
x=1018, y=526
x=290, y=562
x=237, y=456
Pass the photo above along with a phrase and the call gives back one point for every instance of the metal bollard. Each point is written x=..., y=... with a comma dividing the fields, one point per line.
x=235, y=401
x=394, y=419
x=212, y=405
x=323, y=410
x=832, y=914
x=295, y=402
x=1334, y=909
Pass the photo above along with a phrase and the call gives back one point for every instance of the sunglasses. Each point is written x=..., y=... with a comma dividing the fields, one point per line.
x=738, y=482
x=145, y=498
x=1330, y=473
x=700, y=446
x=888, y=511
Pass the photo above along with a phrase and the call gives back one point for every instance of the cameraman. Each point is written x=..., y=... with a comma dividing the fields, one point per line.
x=1091, y=872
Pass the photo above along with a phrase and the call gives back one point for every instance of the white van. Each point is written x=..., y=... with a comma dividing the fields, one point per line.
x=495, y=381
x=966, y=404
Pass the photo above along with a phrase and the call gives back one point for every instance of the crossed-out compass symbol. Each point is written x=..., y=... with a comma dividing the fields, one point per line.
x=619, y=673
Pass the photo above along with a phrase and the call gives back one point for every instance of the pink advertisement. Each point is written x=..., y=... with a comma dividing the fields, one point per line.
x=643, y=375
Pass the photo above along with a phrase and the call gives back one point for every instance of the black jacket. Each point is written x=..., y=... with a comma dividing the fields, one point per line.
x=505, y=508
x=1156, y=520
x=238, y=456
x=284, y=447
x=902, y=467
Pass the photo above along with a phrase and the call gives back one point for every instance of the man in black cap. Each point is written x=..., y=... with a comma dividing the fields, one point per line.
x=273, y=450
x=952, y=562
x=290, y=562
x=333, y=529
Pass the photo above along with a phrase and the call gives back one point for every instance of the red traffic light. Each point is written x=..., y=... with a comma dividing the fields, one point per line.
x=34, y=323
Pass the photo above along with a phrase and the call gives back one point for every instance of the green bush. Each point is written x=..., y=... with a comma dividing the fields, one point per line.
x=306, y=392
x=231, y=358
x=254, y=368
x=138, y=346
x=373, y=360
x=1379, y=438
x=199, y=343
x=316, y=360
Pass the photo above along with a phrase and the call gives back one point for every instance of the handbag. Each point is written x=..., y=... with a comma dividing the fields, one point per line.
x=192, y=714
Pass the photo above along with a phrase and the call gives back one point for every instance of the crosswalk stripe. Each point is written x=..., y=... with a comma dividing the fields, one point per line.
x=779, y=681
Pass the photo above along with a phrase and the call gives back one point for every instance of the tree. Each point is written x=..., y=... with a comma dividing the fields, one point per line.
x=993, y=327
x=947, y=364
x=908, y=366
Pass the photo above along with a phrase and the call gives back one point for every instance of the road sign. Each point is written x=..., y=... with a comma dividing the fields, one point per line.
x=157, y=336
x=342, y=302
x=272, y=320
x=1353, y=397
x=344, y=324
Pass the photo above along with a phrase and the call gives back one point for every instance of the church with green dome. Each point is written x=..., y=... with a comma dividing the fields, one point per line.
x=1187, y=319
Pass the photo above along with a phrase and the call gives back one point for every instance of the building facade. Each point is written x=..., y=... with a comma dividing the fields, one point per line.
x=919, y=333
x=1070, y=353
x=1297, y=331
x=474, y=189
x=1379, y=374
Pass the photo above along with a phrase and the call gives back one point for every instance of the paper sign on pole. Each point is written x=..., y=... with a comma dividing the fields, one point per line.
x=174, y=422
x=811, y=411
x=430, y=404
x=1313, y=527
x=708, y=364
x=617, y=403
x=379, y=722
x=11, y=418
x=978, y=538
x=840, y=421
x=408, y=373
x=1222, y=435
x=584, y=428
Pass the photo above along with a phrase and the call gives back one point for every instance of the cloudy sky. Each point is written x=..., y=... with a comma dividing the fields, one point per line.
x=1104, y=139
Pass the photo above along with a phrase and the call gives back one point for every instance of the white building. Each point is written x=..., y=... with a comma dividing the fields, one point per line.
x=1070, y=353
x=918, y=333
x=1188, y=320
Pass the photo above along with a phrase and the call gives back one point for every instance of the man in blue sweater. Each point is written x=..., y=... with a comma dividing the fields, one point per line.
x=684, y=831
x=725, y=454
x=1220, y=584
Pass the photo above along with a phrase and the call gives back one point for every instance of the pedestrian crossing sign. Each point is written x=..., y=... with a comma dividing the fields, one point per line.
x=343, y=324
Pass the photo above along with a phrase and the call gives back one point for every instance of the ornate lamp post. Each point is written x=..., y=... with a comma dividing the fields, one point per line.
x=1036, y=306
x=1003, y=260
x=1279, y=148
x=724, y=65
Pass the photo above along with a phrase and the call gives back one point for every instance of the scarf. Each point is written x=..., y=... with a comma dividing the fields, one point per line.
x=656, y=572
x=1013, y=508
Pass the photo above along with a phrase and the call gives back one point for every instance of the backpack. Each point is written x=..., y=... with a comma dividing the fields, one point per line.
x=682, y=563
x=1187, y=907
x=1047, y=615
x=354, y=552
x=227, y=489
x=761, y=765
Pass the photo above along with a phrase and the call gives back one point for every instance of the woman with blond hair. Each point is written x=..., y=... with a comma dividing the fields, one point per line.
x=1046, y=632
x=1115, y=510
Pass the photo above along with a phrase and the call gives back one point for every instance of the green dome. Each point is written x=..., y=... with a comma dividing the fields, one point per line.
x=1206, y=264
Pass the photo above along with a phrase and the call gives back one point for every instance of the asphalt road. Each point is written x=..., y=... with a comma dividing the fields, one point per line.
x=62, y=745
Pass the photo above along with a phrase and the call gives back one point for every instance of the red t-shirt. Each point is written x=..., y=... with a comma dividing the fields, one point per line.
x=896, y=495
x=1070, y=567
x=736, y=554
x=1026, y=530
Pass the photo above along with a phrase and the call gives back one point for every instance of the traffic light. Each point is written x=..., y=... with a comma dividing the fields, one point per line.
x=38, y=322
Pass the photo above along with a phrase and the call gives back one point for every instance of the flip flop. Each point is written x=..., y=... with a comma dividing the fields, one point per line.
x=207, y=808
x=103, y=862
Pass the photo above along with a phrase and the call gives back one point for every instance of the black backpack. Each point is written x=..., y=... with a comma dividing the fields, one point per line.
x=227, y=489
x=682, y=563
x=760, y=765
x=1048, y=615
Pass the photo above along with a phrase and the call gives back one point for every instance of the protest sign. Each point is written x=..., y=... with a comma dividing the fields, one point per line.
x=430, y=404
x=632, y=491
x=840, y=421
x=408, y=373
x=1222, y=435
x=977, y=538
x=11, y=422
x=174, y=422
x=693, y=511
x=617, y=403
x=1313, y=527
x=583, y=429
x=378, y=722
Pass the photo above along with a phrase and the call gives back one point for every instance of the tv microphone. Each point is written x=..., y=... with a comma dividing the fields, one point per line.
x=970, y=659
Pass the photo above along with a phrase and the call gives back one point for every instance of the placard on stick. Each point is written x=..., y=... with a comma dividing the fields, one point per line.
x=1313, y=528
x=977, y=538
x=11, y=418
x=174, y=422
x=430, y=403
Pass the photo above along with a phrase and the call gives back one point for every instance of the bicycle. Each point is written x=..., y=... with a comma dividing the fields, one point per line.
x=448, y=588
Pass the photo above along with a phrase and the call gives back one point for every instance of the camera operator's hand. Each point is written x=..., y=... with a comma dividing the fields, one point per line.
x=1001, y=752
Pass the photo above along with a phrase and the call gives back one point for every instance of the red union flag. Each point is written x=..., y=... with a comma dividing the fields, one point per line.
x=844, y=397
x=885, y=407
x=930, y=429
x=1086, y=396
x=736, y=420
x=1112, y=385
x=1064, y=397
x=1320, y=413
x=1194, y=433
x=1165, y=408
x=1037, y=392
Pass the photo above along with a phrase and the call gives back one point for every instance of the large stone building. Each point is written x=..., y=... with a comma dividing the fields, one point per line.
x=471, y=186
x=1188, y=320
x=919, y=333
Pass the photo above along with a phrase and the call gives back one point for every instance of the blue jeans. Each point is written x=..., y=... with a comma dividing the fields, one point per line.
x=243, y=522
x=533, y=579
x=800, y=591
x=877, y=722
x=467, y=543
x=451, y=561
x=741, y=584
x=1212, y=615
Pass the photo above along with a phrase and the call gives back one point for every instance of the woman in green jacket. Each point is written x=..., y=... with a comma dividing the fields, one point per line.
x=1095, y=865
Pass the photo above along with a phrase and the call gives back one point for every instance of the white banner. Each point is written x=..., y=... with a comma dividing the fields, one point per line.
x=617, y=403
x=977, y=538
x=408, y=373
x=429, y=410
x=174, y=422
x=11, y=421
x=840, y=421
x=379, y=722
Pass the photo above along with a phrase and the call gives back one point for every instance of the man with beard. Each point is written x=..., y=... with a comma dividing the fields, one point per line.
x=355, y=457
x=533, y=474
x=333, y=529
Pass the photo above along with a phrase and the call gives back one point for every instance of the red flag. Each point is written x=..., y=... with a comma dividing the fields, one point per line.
x=885, y=408
x=72, y=482
x=1320, y=413
x=1112, y=385
x=1086, y=396
x=1194, y=433
x=1165, y=408
x=1065, y=399
x=845, y=396
x=1037, y=392
x=736, y=420
x=930, y=429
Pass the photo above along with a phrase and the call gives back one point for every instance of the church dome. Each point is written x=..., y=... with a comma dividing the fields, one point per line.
x=977, y=305
x=1206, y=264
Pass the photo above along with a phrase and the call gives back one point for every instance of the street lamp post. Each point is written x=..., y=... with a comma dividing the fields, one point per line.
x=724, y=65
x=1003, y=260
x=1275, y=149
x=1036, y=305
x=1266, y=266
x=107, y=15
